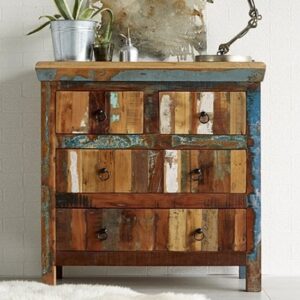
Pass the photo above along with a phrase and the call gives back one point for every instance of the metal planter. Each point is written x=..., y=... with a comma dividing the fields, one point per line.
x=73, y=40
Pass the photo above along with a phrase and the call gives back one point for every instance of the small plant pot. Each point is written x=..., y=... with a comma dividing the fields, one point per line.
x=104, y=52
x=73, y=40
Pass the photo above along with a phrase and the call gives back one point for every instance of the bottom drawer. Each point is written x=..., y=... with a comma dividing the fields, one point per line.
x=151, y=229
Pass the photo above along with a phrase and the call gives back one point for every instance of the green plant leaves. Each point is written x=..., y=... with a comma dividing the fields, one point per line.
x=86, y=14
x=64, y=9
x=39, y=28
x=78, y=8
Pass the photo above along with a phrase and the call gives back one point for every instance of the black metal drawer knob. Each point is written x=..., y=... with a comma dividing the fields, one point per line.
x=100, y=115
x=197, y=174
x=199, y=235
x=102, y=234
x=204, y=117
x=103, y=174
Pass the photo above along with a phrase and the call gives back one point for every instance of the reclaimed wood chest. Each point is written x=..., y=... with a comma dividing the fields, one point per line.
x=151, y=164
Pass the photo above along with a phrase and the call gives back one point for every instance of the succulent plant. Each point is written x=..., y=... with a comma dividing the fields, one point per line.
x=80, y=11
x=103, y=34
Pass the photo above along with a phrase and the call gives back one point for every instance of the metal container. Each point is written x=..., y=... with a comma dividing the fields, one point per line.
x=128, y=52
x=73, y=40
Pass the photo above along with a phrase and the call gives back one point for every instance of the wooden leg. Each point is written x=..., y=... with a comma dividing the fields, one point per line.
x=50, y=277
x=242, y=272
x=253, y=273
x=59, y=272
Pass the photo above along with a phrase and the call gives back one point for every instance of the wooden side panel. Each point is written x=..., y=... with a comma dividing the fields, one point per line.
x=72, y=112
x=71, y=229
x=48, y=183
x=180, y=113
x=126, y=112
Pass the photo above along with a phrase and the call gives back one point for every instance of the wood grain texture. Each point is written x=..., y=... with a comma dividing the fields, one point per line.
x=48, y=141
x=150, y=258
x=151, y=72
x=219, y=171
x=180, y=112
x=72, y=112
x=99, y=112
x=128, y=171
x=140, y=229
x=150, y=200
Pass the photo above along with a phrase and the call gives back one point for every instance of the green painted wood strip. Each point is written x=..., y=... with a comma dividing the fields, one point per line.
x=153, y=142
x=238, y=75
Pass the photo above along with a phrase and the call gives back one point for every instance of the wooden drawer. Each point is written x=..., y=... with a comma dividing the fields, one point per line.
x=150, y=171
x=151, y=230
x=99, y=112
x=203, y=113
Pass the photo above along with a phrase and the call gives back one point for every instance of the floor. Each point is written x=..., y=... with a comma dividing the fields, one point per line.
x=215, y=287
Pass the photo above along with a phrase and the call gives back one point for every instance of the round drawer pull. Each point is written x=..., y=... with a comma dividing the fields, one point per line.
x=102, y=234
x=100, y=115
x=199, y=235
x=103, y=174
x=204, y=117
x=197, y=174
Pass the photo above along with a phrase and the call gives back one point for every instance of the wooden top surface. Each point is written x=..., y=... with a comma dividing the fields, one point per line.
x=150, y=71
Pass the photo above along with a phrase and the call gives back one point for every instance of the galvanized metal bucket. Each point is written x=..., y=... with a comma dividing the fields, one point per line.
x=73, y=40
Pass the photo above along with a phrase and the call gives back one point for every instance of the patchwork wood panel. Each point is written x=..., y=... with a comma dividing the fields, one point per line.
x=225, y=113
x=72, y=112
x=152, y=230
x=71, y=229
x=219, y=171
x=127, y=171
x=126, y=112
x=100, y=112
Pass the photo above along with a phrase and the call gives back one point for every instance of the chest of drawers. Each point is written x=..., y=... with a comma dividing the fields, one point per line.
x=151, y=164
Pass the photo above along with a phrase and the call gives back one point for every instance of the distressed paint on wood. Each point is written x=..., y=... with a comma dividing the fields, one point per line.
x=152, y=142
x=253, y=273
x=219, y=171
x=77, y=112
x=129, y=171
x=48, y=237
x=180, y=112
x=126, y=112
x=151, y=72
x=72, y=112
x=150, y=230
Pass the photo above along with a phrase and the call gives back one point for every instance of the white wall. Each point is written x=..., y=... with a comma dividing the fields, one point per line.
x=276, y=41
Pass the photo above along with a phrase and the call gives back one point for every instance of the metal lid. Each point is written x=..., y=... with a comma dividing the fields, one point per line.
x=223, y=58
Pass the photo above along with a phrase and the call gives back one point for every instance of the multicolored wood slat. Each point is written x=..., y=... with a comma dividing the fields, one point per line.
x=152, y=230
x=204, y=171
x=223, y=113
x=125, y=171
x=99, y=112
x=142, y=171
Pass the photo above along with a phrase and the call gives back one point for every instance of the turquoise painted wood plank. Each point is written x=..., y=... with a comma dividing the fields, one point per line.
x=153, y=141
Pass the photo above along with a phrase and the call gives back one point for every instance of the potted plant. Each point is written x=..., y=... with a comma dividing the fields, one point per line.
x=103, y=47
x=73, y=32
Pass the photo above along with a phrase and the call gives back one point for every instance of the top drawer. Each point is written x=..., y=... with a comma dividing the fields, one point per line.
x=171, y=113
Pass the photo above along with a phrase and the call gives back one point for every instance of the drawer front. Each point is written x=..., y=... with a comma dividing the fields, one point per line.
x=108, y=171
x=151, y=230
x=203, y=113
x=205, y=171
x=142, y=171
x=99, y=112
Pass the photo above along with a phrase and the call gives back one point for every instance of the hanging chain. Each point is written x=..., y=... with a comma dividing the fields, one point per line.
x=255, y=17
